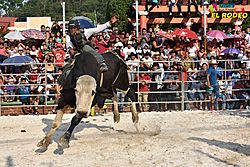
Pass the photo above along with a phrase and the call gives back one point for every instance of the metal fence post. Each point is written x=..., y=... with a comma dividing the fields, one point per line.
x=0, y=104
x=138, y=82
x=182, y=86
x=46, y=83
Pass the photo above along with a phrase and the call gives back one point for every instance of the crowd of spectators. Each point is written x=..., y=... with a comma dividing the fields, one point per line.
x=158, y=60
x=180, y=3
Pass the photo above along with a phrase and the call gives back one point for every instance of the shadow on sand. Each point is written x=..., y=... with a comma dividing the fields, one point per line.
x=63, y=128
x=9, y=162
x=217, y=159
x=237, y=113
x=239, y=148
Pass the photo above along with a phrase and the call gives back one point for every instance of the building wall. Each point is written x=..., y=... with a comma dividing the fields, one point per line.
x=36, y=22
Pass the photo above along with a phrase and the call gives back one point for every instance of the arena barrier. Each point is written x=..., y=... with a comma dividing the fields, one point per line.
x=44, y=93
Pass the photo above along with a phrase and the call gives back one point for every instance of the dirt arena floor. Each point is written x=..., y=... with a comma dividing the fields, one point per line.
x=167, y=139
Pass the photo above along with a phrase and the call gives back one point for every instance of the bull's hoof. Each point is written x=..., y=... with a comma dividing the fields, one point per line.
x=45, y=142
x=64, y=141
x=117, y=118
x=135, y=118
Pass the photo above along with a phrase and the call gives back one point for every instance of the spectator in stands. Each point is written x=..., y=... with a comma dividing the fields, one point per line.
x=33, y=77
x=222, y=90
x=229, y=93
x=1, y=86
x=144, y=80
x=119, y=50
x=212, y=82
x=133, y=64
x=153, y=3
x=27, y=52
x=240, y=93
x=34, y=51
x=157, y=43
x=10, y=88
x=59, y=56
x=12, y=51
x=20, y=52
x=193, y=2
x=24, y=92
x=170, y=84
x=58, y=37
x=147, y=61
x=128, y=50
x=173, y=3
x=155, y=86
x=43, y=29
x=144, y=37
x=2, y=49
x=51, y=43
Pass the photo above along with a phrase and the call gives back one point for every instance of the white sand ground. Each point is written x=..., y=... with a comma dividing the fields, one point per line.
x=175, y=139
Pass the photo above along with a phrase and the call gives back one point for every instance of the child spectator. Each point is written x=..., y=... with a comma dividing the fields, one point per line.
x=59, y=56
x=24, y=92
x=144, y=80
x=195, y=91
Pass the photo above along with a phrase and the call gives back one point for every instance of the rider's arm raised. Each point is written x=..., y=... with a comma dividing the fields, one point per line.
x=99, y=28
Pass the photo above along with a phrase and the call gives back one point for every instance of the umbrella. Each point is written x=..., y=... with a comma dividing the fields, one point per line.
x=84, y=22
x=231, y=51
x=14, y=35
x=33, y=33
x=185, y=33
x=164, y=34
x=216, y=34
x=161, y=33
x=17, y=60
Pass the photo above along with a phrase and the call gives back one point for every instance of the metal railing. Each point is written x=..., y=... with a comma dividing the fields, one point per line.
x=161, y=96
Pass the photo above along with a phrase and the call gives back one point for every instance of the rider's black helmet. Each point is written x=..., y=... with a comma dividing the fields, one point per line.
x=74, y=24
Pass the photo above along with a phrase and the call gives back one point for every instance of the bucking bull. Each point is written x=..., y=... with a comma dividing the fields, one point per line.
x=85, y=87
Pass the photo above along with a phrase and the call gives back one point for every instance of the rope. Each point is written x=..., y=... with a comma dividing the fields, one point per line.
x=101, y=81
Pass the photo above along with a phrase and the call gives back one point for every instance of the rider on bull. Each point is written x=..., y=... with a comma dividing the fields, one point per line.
x=77, y=41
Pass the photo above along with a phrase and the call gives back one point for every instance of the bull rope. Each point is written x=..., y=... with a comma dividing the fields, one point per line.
x=101, y=81
x=120, y=68
x=117, y=76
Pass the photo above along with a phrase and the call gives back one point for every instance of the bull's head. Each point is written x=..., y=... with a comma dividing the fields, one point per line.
x=85, y=91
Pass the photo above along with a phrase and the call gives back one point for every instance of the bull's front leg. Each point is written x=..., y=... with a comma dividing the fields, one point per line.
x=47, y=140
x=116, y=111
x=64, y=140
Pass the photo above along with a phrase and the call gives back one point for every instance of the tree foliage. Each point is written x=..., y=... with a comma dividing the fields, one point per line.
x=10, y=5
x=100, y=9
x=119, y=8
x=53, y=8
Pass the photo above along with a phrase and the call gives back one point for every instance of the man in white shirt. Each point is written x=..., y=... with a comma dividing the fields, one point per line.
x=147, y=60
x=19, y=53
x=133, y=64
x=248, y=36
x=128, y=50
